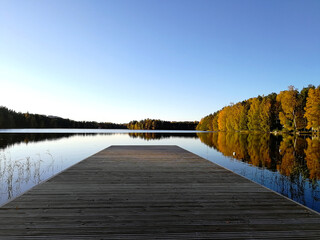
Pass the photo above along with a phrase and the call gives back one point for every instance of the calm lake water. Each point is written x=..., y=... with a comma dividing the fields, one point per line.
x=286, y=164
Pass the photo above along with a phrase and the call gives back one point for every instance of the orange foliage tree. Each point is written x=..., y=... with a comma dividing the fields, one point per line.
x=289, y=104
x=254, y=115
x=265, y=115
x=313, y=109
x=222, y=119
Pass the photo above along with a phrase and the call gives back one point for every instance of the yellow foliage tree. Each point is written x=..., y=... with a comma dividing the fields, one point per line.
x=229, y=118
x=222, y=119
x=254, y=115
x=289, y=104
x=265, y=115
x=236, y=116
x=313, y=109
x=215, y=126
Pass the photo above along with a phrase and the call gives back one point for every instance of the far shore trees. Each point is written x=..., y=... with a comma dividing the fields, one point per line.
x=156, y=124
x=12, y=119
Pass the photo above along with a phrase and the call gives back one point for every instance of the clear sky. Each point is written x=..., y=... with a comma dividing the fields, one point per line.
x=117, y=61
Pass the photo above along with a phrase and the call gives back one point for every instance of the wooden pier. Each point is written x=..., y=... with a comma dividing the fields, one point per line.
x=153, y=192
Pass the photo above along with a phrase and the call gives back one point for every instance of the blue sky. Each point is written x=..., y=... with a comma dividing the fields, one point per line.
x=116, y=61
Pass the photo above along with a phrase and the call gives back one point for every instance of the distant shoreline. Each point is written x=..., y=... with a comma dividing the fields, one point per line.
x=87, y=130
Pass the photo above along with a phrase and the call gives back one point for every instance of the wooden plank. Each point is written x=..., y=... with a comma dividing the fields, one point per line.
x=148, y=192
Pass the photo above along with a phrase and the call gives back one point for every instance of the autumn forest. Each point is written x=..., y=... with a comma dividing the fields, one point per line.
x=288, y=111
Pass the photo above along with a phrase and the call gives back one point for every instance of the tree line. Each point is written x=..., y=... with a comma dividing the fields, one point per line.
x=161, y=135
x=290, y=110
x=156, y=124
x=12, y=119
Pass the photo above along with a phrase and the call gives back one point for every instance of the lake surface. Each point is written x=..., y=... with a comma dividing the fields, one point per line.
x=286, y=164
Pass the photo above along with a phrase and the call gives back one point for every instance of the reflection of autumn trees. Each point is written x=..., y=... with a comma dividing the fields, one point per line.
x=291, y=156
x=254, y=149
x=229, y=144
x=251, y=148
x=222, y=144
x=313, y=158
x=292, y=161
x=287, y=164
x=209, y=139
x=258, y=150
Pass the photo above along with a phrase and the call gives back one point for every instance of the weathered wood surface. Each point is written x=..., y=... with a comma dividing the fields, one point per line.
x=153, y=192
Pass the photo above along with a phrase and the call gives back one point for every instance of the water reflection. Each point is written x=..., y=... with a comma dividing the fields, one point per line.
x=287, y=164
x=7, y=140
x=313, y=158
x=27, y=159
x=292, y=156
